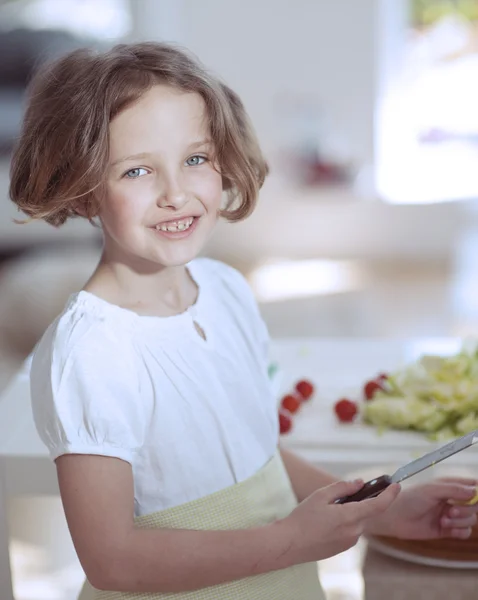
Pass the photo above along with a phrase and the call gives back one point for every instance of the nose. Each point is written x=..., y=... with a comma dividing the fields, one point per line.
x=171, y=192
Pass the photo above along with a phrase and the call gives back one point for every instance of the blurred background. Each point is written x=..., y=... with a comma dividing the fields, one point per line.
x=366, y=110
x=367, y=113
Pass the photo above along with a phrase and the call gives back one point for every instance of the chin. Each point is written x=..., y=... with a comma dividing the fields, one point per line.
x=180, y=253
x=177, y=259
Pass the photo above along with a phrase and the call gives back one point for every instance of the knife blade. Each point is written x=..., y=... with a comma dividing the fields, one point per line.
x=375, y=486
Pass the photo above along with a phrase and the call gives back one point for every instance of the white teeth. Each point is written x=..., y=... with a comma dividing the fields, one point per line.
x=176, y=225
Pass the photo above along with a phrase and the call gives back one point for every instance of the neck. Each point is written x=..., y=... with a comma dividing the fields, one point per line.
x=162, y=291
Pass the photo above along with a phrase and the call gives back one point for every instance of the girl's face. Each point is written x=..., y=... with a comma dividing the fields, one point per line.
x=163, y=192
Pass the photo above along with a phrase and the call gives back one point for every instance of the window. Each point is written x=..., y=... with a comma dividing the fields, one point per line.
x=97, y=19
x=428, y=119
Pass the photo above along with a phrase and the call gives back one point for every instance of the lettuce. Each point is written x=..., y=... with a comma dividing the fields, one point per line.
x=435, y=395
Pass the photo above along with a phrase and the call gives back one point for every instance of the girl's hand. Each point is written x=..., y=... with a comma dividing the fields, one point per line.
x=318, y=528
x=430, y=511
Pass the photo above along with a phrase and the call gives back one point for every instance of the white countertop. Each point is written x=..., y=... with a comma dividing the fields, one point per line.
x=338, y=367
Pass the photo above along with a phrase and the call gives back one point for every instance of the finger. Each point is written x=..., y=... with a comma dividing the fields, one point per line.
x=473, y=501
x=372, y=506
x=461, y=523
x=452, y=492
x=459, y=533
x=458, y=511
x=469, y=481
x=340, y=489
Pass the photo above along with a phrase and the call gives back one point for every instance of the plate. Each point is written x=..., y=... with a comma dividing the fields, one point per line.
x=445, y=553
x=448, y=554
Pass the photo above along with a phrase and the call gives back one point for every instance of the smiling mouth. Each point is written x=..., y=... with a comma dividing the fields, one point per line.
x=175, y=226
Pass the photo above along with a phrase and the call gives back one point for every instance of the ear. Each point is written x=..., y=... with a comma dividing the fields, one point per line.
x=80, y=210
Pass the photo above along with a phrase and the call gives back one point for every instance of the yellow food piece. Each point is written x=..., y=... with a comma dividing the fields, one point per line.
x=473, y=500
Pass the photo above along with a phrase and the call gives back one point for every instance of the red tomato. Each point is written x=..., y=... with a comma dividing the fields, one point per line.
x=285, y=423
x=291, y=403
x=345, y=410
x=371, y=387
x=305, y=389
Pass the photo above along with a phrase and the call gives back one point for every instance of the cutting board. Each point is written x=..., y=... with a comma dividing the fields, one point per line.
x=339, y=368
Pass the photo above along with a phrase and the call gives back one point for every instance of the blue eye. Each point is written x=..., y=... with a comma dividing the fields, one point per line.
x=194, y=161
x=135, y=173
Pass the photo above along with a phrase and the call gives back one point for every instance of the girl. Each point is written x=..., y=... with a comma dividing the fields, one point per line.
x=151, y=389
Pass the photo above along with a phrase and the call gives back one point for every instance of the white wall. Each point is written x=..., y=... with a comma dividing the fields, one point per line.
x=267, y=47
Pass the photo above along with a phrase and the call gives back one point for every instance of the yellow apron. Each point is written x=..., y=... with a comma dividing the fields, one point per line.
x=261, y=499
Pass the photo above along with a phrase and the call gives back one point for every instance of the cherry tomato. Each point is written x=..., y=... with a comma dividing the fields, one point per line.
x=285, y=423
x=371, y=387
x=345, y=410
x=305, y=389
x=291, y=403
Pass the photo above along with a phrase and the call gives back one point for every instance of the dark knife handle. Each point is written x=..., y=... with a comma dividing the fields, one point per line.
x=370, y=489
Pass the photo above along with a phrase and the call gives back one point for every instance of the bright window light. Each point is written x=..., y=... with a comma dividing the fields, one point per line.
x=101, y=19
x=443, y=168
x=283, y=280
x=427, y=122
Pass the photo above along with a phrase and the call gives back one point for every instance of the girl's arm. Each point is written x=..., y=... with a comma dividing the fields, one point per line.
x=305, y=478
x=97, y=494
x=98, y=497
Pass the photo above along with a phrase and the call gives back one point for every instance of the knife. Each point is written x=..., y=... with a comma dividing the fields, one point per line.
x=375, y=486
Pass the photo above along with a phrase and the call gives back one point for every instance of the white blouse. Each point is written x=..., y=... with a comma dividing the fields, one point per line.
x=192, y=416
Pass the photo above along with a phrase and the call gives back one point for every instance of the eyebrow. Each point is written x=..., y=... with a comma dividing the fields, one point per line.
x=127, y=158
x=192, y=146
x=205, y=142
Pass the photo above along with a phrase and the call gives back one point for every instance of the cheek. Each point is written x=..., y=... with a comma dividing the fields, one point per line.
x=120, y=211
x=209, y=189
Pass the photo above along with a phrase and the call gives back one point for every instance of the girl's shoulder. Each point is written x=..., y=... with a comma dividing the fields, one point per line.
x=212, y=272
x=84, y=386
x=87, y=325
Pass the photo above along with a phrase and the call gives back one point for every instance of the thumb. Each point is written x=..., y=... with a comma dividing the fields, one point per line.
x=452, y=492
x=341, y=488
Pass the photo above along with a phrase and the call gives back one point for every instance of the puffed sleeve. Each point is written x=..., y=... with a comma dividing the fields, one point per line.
x=85, y=392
